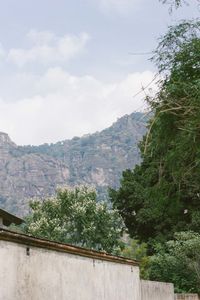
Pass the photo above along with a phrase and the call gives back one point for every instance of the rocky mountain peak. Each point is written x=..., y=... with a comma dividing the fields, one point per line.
x=5, y=141
x=96, y=159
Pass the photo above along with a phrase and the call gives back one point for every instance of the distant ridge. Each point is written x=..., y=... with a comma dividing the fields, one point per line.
x=97, y=159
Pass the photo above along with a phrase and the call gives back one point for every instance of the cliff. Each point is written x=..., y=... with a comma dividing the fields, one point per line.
x=97, y=159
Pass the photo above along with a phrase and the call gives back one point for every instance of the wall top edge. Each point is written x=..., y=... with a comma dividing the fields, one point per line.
x=156, y=282
x=27, y=240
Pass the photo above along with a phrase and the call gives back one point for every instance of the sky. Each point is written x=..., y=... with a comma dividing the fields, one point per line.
x=68, y=68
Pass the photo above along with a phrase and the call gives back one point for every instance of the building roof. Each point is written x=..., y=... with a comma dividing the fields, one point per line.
x=8, y=218
x=27, y=240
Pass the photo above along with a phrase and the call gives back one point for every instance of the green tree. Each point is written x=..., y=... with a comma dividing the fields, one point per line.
x=178, y=261
x=74, y=216
x=138, y=251
x=162, y=195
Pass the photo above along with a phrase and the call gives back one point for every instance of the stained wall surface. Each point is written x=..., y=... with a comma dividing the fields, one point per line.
x=186, y=297
x=50, y=275
x=152, y=290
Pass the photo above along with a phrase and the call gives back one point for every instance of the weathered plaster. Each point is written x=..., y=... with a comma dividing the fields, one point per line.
x=51, y=275
x=152, y=290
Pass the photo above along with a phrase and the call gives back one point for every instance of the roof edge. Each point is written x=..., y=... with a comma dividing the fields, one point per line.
x=27, y=240
x=9, y=218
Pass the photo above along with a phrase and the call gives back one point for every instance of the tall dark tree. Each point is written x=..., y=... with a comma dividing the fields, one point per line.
x=162, y=195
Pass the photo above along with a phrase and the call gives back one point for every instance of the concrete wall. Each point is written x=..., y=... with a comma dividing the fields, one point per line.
x=43, y=274
x=151, y=290
x=186, y=297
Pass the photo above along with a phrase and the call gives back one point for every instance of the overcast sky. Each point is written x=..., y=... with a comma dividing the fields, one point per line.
x=67, y=67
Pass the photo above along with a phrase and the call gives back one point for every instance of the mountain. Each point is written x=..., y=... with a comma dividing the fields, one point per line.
x=96, y=159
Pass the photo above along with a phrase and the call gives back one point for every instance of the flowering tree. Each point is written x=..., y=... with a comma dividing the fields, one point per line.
x=74, y=216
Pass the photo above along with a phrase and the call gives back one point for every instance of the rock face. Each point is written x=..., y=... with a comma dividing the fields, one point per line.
x=97, y=159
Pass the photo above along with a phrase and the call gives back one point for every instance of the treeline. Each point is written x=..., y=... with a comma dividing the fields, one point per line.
x=160, y=199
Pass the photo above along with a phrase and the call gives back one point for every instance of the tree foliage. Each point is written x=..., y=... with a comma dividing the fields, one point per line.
x=178, y=261
x=175, y=4
x=162, y=195
x=74, y=216
x=138, y=251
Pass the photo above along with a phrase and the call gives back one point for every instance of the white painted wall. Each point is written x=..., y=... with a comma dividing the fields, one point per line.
x=51, y=275
x=152, y=290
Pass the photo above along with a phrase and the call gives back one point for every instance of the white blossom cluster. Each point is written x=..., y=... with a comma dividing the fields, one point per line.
x=74, y=216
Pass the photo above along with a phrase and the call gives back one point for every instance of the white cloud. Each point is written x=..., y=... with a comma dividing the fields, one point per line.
x=63, y=106
x=46, y=48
